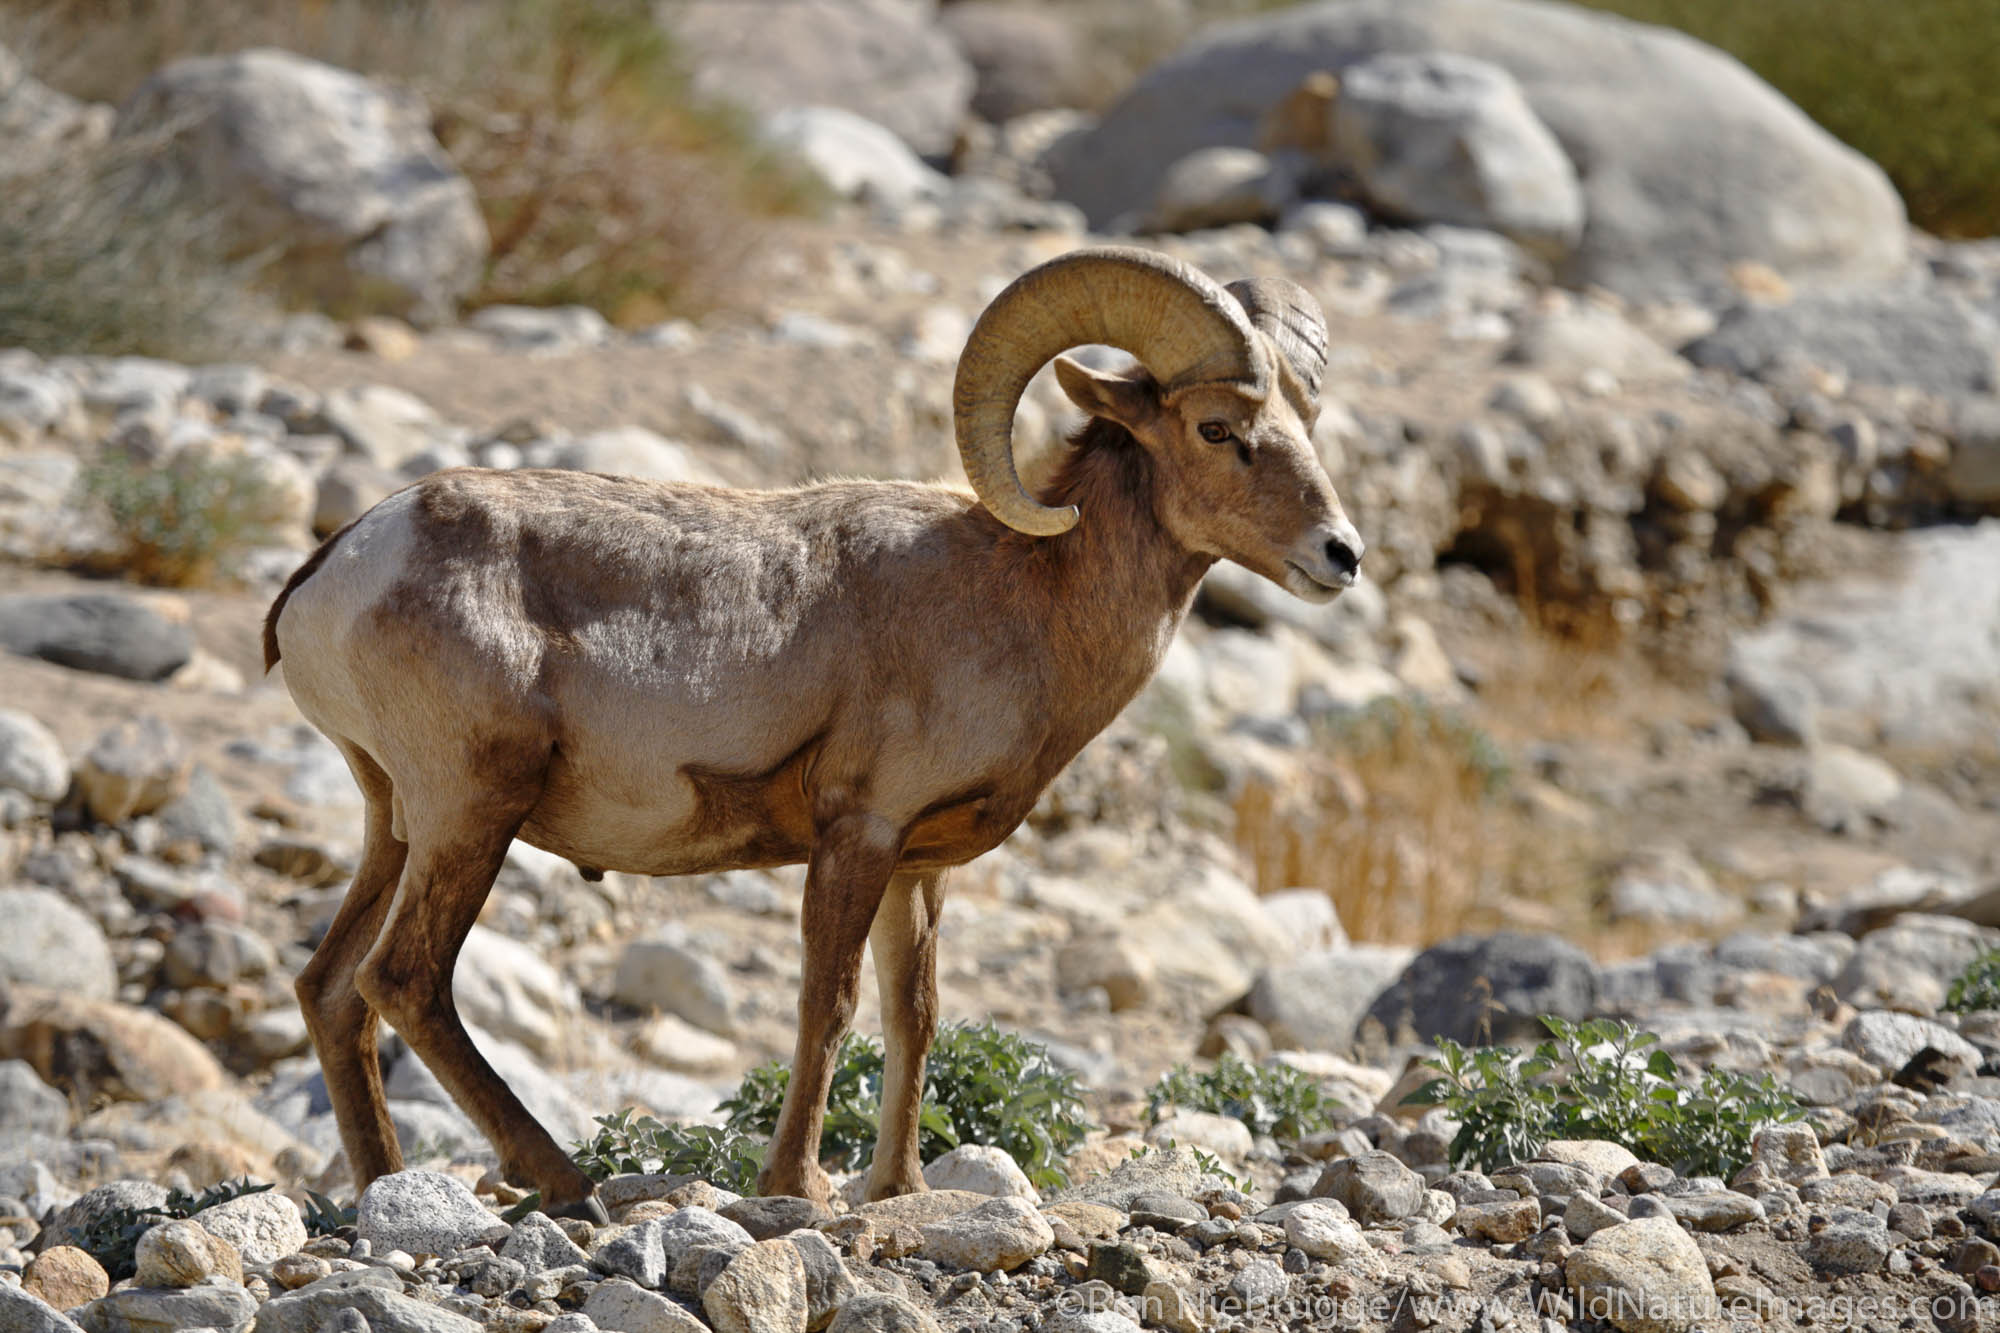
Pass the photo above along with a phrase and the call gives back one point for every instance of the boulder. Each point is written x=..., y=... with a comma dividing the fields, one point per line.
x=1215, y=187
x=264, y=1227
x=626, y=451
x=65, y=1277
x=338, y=173
x=882, y=59
x=181, y=1254
x=981, y=1169
x=1641, y=111
x=94, y=631
x=853, y=156
x=1488, y=988
x=1440, y=137
x=28, y=1105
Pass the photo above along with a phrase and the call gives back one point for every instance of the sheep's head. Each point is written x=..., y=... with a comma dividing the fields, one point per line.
x=1225, y=399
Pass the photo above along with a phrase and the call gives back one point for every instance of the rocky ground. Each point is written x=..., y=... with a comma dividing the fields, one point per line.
x=1668, y=695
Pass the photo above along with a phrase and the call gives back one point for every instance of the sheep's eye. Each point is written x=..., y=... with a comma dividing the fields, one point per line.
x=1214, y=432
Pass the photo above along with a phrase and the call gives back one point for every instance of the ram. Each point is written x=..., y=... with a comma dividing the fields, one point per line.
x=875, y=678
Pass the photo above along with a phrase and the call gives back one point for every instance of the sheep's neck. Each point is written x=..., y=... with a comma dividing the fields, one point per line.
x=1117, y=587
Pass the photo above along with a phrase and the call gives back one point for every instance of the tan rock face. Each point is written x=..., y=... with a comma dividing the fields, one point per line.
x=65, y=1277
x=181, y=1254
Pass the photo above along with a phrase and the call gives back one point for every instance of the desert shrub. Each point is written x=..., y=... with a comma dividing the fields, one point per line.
x=1909, y=85
x=180, y=523
x=100, y=254
x=113, y=1238
x=1977, y=987
x=1404, y=821
x=602, y=181
x=629, y=1143
x=981, y=1085
x=1269, y=1099
x=1598, y=1080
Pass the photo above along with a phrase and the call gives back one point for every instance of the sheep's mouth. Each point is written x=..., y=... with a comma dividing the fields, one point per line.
x=1302, y=584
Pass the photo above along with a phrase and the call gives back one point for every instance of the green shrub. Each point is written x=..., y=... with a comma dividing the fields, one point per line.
x=181, y=523
x=113, y=1238
x=1598, y=1080
x=1910, y=85
x=628, y=1143
x=100, y=255
x=981, y=1085
x=1271, y=1099
x=1978, y=987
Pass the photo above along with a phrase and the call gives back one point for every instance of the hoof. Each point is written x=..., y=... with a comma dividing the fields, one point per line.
x=587, y=1209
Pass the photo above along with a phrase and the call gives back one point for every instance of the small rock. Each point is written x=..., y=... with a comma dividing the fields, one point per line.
x=425, y=1212
x=828, y=1283
x=980, y=1169
x=619, y=1306
x=101, y=632
x=1224, y=1136
x=651, y=1251
x=1642, y=1276
x=1374, y=1188
x=539, y=1245
x=882, y=1312
x=1323, y=1230
x=1501, y=1223
x=762, y=1290
x=1852, y=1241
x=1888, y=1041
x=1586, y=1216
x=31, y=758
x=666, y=972
x=1789, y=1151
x=181, y=1254
x=22, y=1311
x=263, y=1227
x=997, y=1236
x=50, y=942
x=297, y=1270
x=133, y=769
x=158, y=1310
x=1722, y=1210
x=777, y=1215
x=65, y=1277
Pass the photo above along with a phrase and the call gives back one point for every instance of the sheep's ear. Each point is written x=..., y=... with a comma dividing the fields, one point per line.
x=1129, y=402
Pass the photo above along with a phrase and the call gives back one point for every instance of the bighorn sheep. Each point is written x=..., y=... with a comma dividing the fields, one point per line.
x=875, y=678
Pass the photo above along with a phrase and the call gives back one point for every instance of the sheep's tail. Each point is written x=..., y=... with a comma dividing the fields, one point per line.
x=299, y=576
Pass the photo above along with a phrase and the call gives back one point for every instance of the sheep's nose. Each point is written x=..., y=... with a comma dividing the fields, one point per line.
x=1344, y=550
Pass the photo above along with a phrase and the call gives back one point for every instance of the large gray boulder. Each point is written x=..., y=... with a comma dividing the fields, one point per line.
x=339, y=174
x=1439, y=137
x=1023, y=60
x=1689, y=163
x=883, y=59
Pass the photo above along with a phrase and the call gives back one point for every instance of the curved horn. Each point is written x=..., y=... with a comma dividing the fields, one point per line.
x=1287, y=314
x=1184, y=328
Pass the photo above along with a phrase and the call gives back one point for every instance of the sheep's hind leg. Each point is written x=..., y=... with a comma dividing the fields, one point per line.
x=407, y=976
x=851, y=863
x=341, y=1023
x=904, y=942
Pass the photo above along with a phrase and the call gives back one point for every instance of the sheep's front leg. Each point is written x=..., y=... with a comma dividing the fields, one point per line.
x=904, y=942
x=851, y=863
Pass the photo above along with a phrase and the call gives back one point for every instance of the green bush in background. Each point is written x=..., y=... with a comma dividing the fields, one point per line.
x=1909, y=83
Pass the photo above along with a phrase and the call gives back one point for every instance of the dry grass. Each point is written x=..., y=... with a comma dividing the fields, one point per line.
x=98, y=254
x=601, y=181
x=1418, y=827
